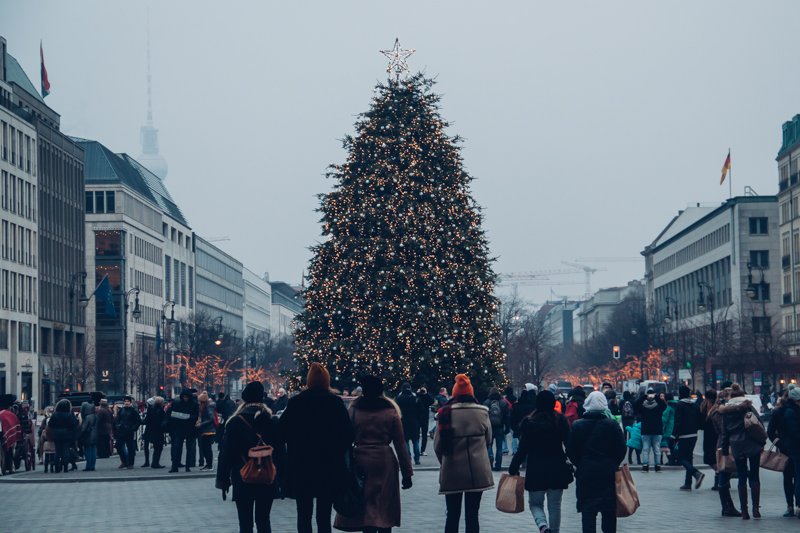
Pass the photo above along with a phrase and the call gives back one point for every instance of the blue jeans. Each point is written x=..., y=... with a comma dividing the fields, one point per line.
x=648, y=442
x=90, y=452
x=514, y=445
x=498, y=437
x=415, y=443
x=536, y=505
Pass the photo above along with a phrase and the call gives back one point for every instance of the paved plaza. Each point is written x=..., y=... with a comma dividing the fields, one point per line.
x=192, y=504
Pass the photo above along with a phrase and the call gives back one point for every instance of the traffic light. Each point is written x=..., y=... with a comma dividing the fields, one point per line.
x=616, y=352
x=688, y=364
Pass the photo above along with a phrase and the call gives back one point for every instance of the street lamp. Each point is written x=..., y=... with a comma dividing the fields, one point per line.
x=668, y=316
x=220, y=336
x=706, y=301
x=163, y=348
x=77, y=283
x=136, y=314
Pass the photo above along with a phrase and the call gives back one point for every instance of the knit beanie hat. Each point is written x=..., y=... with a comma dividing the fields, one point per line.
x=545, y=401
x=596, y=401
x=794, y=394
x=253, y=392
x=684, y=392
x=463, y=386
x=318, y=377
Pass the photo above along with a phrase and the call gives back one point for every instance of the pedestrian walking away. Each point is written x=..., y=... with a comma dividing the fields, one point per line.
x=784, y=432
x=411, y=421
x=544, y=435
x=318, y=433
x=500, y=419
x=424, y=403
x=206, y=427
x=155, y=422
x=462, y=435
x=88, y=435
x=650, y=409
x=63, y=430
x=710, y=436
x=377, y=425
x=596, y=447
x=688, y=421
x=105, y=429
x=745, y=449
x=250, y=425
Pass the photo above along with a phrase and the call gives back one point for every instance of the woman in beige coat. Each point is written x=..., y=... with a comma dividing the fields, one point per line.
x=462, y=436
x=377, y=424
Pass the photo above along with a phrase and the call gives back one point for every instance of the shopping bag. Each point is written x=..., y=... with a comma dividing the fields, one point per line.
x=510, y=494
x=627, y=495
x=725, y=463
x=773, y=460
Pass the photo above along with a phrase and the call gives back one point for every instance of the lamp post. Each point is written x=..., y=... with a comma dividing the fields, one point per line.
x=136, y=313
x=706, y=301
x=165, y=322
x=77, y=285
x=670, y=317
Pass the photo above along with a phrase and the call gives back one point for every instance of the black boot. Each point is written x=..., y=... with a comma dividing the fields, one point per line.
x=743, y=502
x=756, y=490
x=716, y=482
x=728, y=508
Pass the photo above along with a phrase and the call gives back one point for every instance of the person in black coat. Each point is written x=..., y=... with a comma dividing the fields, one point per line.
x=650, y=409
x=62, y=429
x=688, y=421
x=596, y=447
x=544, y=434
x=251, y=421
x=181, y=417
x=424, y=402
x=499, y=418
x=317, y=431
x=407, y=402
x=521, y=409
x=784, y=432
x=126, y=424
x=154, y=422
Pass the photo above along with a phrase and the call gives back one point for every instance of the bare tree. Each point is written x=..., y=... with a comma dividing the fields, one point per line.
x=531, y=353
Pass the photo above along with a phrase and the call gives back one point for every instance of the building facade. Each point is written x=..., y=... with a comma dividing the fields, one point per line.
x=789, y=229
x=595, y=313
x=219, y=286
x=19, y=361
x=712, y=266
x=287, y=303
x=257, y=304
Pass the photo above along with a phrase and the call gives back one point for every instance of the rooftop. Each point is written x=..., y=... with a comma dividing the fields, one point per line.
x=15, y=74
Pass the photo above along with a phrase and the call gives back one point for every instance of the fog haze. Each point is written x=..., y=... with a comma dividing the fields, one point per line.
x=587, y=125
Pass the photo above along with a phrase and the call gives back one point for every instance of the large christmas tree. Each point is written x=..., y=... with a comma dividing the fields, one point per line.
x=402, y=285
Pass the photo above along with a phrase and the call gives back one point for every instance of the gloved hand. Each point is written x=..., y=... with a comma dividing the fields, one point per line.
x=513, y=472
x=406, y=484
x=224, y=494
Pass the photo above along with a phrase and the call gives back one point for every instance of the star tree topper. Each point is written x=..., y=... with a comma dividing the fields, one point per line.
x=397, y=59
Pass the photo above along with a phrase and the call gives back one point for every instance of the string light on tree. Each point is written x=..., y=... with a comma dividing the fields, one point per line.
x=402, y=284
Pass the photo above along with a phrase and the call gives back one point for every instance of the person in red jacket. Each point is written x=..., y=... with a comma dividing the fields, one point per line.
x=574, y=409
x=10, y=431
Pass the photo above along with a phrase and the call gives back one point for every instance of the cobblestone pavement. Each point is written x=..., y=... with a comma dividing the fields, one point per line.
x=193, y=504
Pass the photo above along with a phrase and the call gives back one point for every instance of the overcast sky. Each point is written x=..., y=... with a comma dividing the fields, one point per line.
x=587, y=125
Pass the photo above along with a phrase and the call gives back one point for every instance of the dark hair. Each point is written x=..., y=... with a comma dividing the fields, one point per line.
x=711, y=395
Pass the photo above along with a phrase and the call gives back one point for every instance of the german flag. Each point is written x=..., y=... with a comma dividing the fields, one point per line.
x=45, y=81
x=725, y=168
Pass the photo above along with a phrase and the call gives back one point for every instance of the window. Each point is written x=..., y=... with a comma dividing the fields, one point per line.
x=5, y=141
x=176, y=275
x=174, y=234
x=167, y=277
x=99, y=202
x=108, y=243
x=110, y=203
x=183, y=284
x=25, y=332
x=761, y=325
x=164, y=229
x=3, y=334
x=758, y=225
x=5, y=190
x=759, y=258
x=191, y=288
x=89, y=202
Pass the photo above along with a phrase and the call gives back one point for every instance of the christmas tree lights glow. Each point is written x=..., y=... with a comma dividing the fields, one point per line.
x=402, y=285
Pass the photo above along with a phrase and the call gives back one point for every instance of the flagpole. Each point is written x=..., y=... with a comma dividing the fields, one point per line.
x=730, y=177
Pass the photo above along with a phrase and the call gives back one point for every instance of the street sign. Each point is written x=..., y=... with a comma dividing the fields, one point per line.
x=756, y=378
x=718, y=374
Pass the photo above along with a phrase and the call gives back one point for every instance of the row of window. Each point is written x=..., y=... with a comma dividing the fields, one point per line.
x=17, y=147
x=215, y=266
x=146, y=282
x=101, y=202
x=18, y=196
x=219, y=293
x=684, y=292
x=702, y=246
x=145, y=250
x=26, y=336
x=178, y=277
x=176, y=235
x=19, y=244
x=18, y=292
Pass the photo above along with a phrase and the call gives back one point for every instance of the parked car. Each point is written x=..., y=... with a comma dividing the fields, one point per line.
x=657, y=386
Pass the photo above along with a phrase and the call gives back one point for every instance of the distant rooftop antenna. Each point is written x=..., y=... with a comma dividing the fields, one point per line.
x=150, y=156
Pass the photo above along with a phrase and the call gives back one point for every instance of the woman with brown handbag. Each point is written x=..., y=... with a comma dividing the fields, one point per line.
x=739, y=442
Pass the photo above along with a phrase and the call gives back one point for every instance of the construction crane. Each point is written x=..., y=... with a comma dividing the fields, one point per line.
x=609, y=260
x=588, y=271
x=537, y=278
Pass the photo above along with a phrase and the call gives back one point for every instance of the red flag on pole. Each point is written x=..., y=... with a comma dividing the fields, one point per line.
x=726, y=167
x=45, y=81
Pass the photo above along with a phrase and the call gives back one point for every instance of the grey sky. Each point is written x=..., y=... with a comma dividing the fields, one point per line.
x=587, y=125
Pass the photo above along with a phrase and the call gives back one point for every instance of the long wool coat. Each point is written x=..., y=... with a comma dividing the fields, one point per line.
x=467, y=469
x=377, y=427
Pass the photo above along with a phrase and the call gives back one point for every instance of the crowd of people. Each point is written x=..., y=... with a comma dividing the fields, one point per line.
x=320, y=444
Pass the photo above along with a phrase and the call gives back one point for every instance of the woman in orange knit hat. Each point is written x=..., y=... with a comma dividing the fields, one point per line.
x=462, y=436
